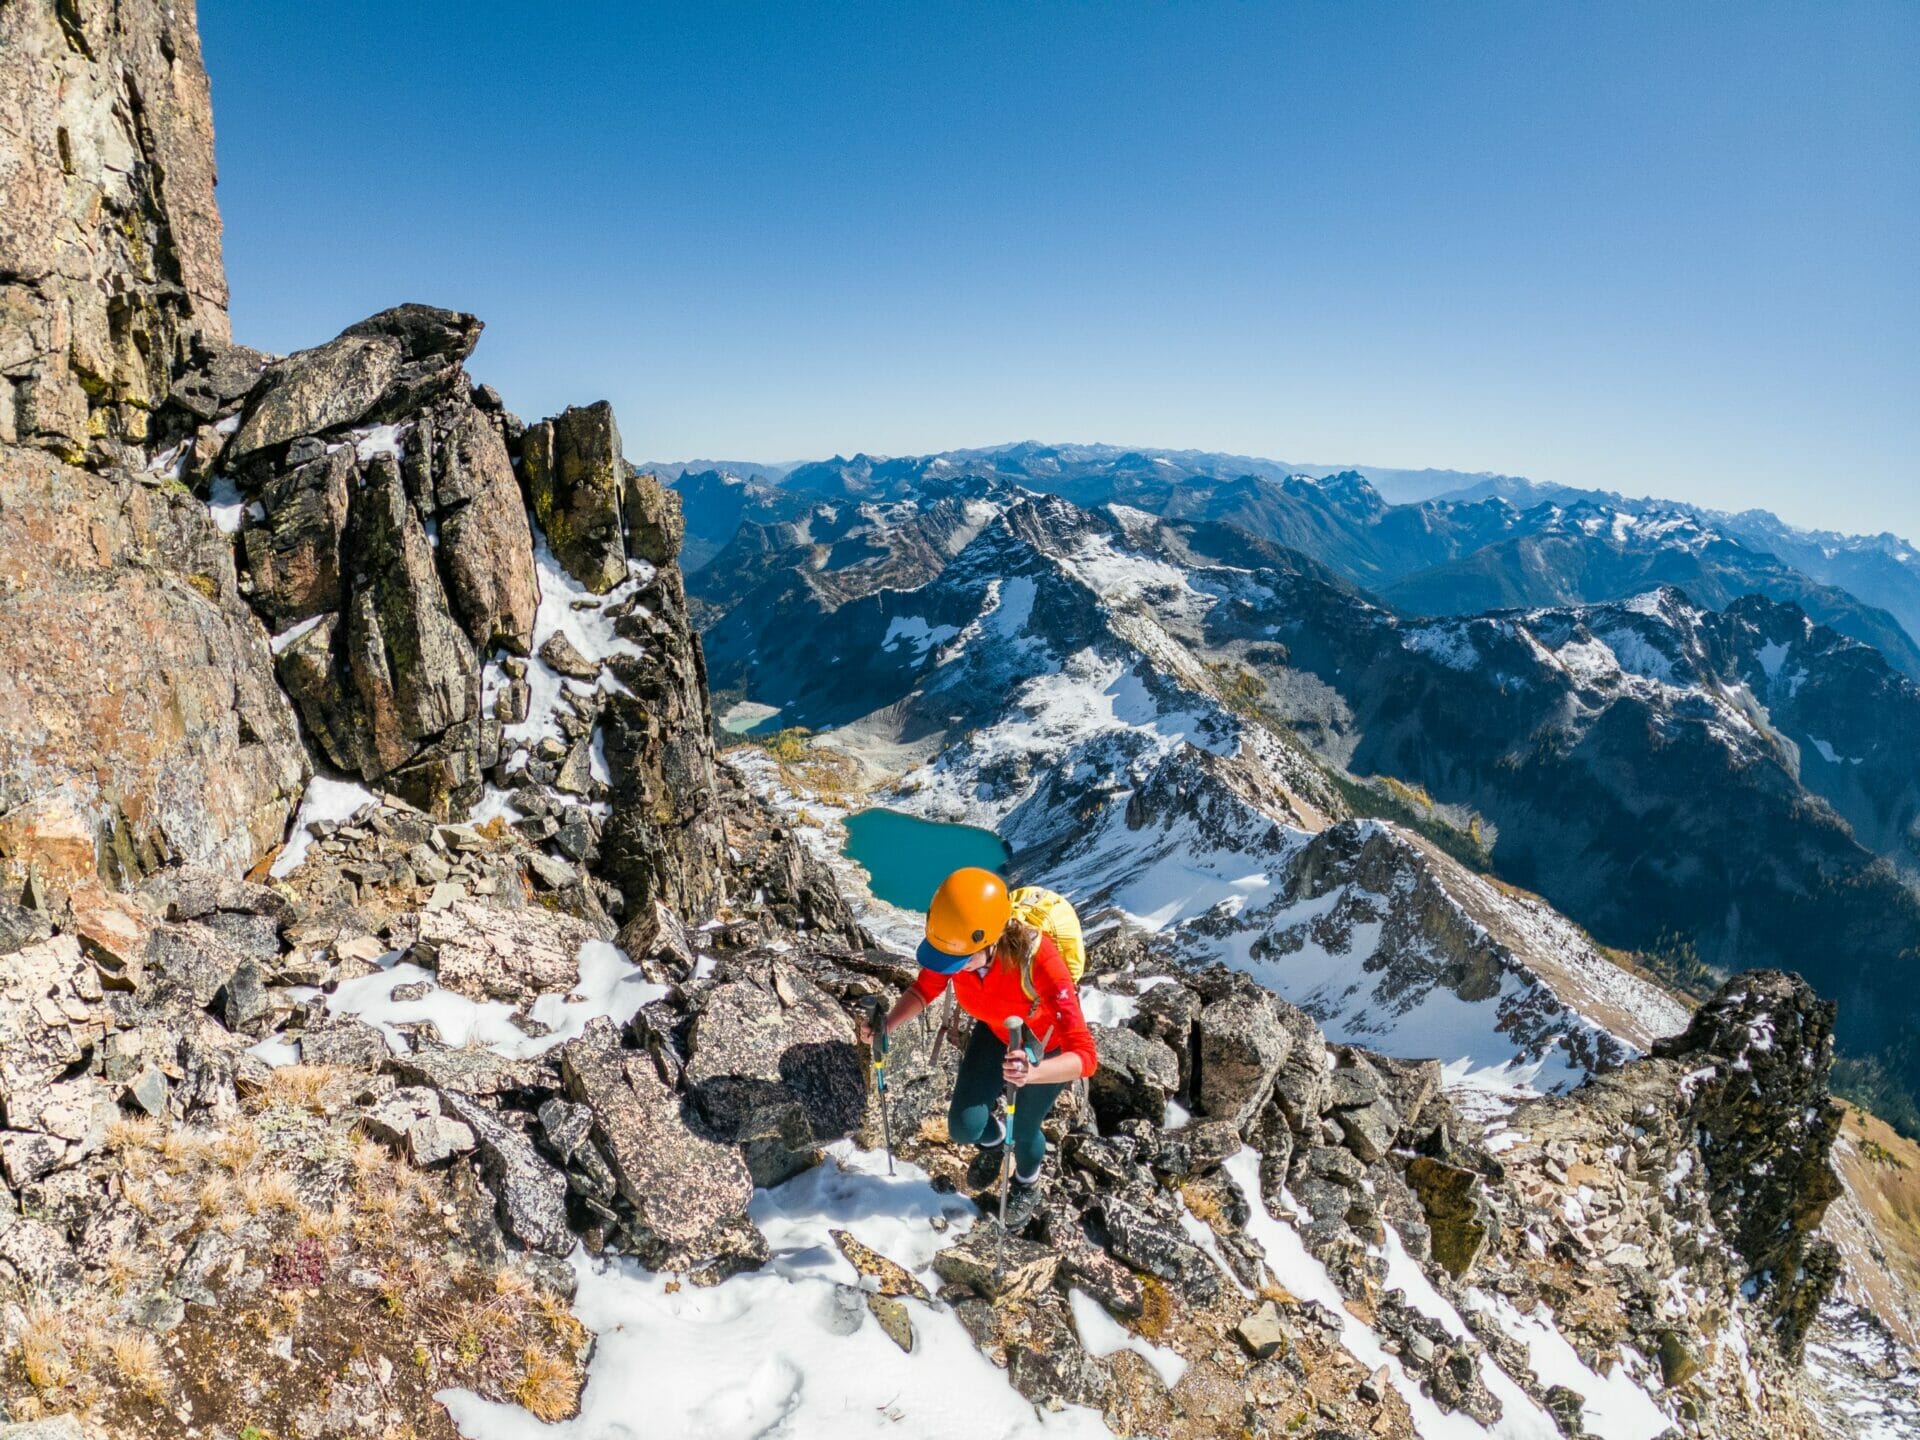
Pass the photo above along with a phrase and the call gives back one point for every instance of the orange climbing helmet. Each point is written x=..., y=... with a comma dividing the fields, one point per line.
x=968, y=913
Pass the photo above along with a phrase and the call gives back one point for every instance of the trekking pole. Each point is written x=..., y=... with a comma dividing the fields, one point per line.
x=1014, y=1026
x=876, y=1008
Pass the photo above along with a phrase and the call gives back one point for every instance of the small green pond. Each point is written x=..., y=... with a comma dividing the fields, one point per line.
x=908, y=857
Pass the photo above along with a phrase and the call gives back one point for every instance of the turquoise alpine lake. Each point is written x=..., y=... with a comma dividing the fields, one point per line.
x=907, y=857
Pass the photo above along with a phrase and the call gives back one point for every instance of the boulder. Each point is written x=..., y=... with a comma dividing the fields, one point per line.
x=1166, y=1013
x=1759, y=1053
x=326, y=388
x=1261, y=1332
x=486, y=951
x=1300, y=1086
x=1136, y=1077
x=769, y=1040
x=110, y=267
x=575, y=472
x=245, y=1002
x=889, y=1278
x=1368, y=1131
x=679, y=1186
x=1242, y=1045
x=1087, y=1265
x=560, y=653
x=345, y=1041
x=996, y=1265
x=373, y=371
x=1159, y=1248
x=1047, y=1364
x=655, y=525
x=52, y=1015
x=530, y=1196
x=21, y=927
x=391, y=688
x=893, y=1318
x=292, y=556
x=1457, y=1212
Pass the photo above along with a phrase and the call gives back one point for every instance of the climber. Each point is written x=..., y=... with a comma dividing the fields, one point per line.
x=1003, y=955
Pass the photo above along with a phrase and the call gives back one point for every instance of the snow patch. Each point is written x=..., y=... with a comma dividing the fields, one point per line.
x=326, y=802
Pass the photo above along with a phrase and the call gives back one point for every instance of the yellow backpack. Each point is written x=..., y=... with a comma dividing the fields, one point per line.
x=1052, y=915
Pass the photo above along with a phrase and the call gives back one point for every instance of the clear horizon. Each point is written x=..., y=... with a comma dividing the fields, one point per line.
x=1634, y=248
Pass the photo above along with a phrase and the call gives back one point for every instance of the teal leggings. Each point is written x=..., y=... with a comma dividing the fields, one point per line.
x=970, y=1115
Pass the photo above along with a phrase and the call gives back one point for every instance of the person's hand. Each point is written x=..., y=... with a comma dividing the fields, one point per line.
x=1015, y=1069
x=866, y=1030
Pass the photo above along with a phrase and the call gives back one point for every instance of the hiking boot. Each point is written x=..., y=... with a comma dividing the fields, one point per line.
x=1023, y=1198
x=983, y=1171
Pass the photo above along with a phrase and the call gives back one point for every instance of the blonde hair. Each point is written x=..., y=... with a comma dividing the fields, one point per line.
x=1016, y=947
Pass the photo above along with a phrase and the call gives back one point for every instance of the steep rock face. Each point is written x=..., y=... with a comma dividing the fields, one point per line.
x=386, y=543
x=1761, y=1051
x=665, y=839
x=575, y=473
x=139, y=724
x=110, y=265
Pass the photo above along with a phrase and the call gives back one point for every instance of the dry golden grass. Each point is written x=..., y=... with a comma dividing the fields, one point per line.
x=136, y=1360
x=133, y=1132
x=548, y=1386
x=1204, y=1201
x=381, y=1209
x=269, y=1190
x=139, y=1196
x=238, y=1149
x=564, y=1324
x=216, y=1195
x=44, y=1355
x=512, y=1283
x=367, y=1157
x=1881, y=1169
x=126, y=1266
x=315, y=1223
x=303, y=1087
x=182, y=1148
x=1156, y=1312
x=138, y=1164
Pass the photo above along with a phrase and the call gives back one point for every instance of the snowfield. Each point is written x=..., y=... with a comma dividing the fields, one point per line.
x=790, y=1349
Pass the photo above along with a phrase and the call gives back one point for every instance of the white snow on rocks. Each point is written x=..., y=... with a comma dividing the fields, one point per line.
x=610, y=985
x=279, y=643
x=327, y=802
x=1101, y=1335
x=1616, y=1408
x=790, y=1349
x=378, y=440
x=1832, y=756
x=1448, y=642
x=226, y=505
x=913, y=630
x=566, y=608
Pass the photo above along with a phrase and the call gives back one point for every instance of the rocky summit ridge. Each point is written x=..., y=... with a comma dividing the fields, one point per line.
x=405, y=1011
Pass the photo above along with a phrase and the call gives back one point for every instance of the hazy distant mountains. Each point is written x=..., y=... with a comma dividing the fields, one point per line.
x=1493, y=541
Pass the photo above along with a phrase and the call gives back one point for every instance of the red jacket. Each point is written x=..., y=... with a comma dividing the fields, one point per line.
x=995, y=993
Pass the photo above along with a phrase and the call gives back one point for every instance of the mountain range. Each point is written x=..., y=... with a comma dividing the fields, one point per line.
x=1495, y=541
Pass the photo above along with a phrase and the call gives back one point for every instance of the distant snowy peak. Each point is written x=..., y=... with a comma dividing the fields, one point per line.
x=1627, y=526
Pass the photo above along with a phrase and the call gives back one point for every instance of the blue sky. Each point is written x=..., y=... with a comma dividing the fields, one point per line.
x=1657, y=248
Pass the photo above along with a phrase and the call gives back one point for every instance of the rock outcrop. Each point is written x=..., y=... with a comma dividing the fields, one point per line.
x=110, y=269
x=140, y=724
